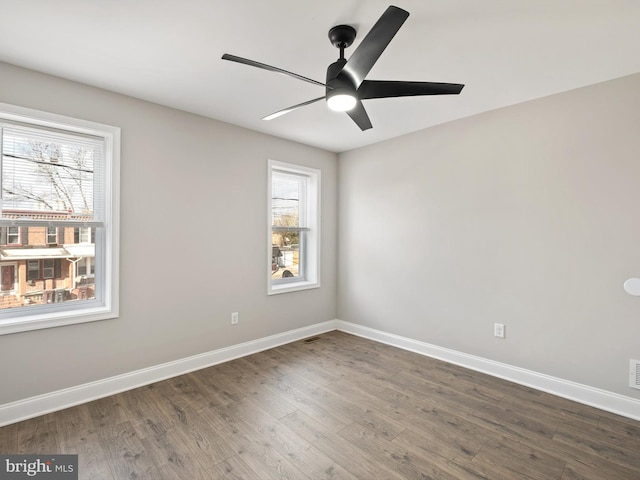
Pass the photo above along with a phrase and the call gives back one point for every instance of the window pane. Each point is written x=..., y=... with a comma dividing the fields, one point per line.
x=33, y=270
x=47, y=268
x=288, y=252
x=13, y=235
x=52, y=235
x=288, y=194
x=81, y=267
x=61, y=273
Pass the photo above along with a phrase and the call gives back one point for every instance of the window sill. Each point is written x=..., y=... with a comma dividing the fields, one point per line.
x=292, y=287
x=43, y=320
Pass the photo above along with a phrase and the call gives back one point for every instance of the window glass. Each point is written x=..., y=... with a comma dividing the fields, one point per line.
x=13, y=235
x=52, y=235
x=33, y=270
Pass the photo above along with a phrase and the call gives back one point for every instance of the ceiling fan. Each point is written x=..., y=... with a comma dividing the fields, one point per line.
x=345, y=85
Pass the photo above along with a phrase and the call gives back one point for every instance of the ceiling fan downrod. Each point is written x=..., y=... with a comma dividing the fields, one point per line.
x=341, y=37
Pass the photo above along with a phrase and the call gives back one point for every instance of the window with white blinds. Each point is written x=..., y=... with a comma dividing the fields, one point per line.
x=294, y=227
x=58, y=177
x=52, y=175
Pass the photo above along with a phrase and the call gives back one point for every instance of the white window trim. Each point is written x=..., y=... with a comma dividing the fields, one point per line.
x=312, y=266
x=55, y=315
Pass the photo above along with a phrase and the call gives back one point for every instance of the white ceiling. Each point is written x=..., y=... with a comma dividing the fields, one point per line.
x=168, y=52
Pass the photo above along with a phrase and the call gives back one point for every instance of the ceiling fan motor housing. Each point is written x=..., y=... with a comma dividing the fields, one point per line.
x=334, y=80
x=338, y=85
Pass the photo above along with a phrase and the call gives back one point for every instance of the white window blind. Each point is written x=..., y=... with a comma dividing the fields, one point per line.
x=51, y=176
x=288, y=200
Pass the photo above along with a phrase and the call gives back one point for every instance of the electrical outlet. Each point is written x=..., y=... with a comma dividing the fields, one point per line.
x=234, y=318
x=498, y=330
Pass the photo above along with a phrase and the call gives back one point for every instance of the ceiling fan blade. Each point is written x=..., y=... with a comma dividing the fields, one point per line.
x=264, y=66
x=372, y=46
x=290, y=109
x=359, y=115
x=384, y=89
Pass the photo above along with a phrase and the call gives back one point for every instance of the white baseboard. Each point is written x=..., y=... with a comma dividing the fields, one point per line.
x=69, y=397
x=595, y=397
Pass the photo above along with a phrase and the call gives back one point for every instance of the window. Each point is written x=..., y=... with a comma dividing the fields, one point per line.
x=83, y=235
x=10, y=236
x=52, y=235
x=13, y=235
x=33, y=270
x=58, y=173
x=51, y=268
x=85, y=267
x=294, y=228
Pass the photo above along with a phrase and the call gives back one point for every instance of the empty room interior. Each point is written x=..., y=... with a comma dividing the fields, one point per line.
x=339, y=240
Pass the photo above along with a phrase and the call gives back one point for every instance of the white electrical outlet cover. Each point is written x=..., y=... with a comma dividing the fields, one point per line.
x=632, y=287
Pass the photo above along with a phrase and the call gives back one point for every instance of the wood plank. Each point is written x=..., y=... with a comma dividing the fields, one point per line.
x=452, y=443
x=340, y=450
x=409, y=463
x=597, y=442
x=289, y=443
x=166, y=454
x=620, y=425
x=520, y=459
x=146, y=413
x=357, y=409
x=600, y=471
x=38, y=436
x=254, y=383
x=124, y=451
x=304, y=401
x=78, y=435
x=9, y=438
x=259, y=452
x=233, y=468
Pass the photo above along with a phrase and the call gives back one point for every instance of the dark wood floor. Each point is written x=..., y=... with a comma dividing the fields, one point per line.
x=341, y=407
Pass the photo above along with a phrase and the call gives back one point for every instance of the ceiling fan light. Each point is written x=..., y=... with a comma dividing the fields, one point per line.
x=341, y=101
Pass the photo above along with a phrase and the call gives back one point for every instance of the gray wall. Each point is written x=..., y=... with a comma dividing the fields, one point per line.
x=193, y=232
x=527, y=216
